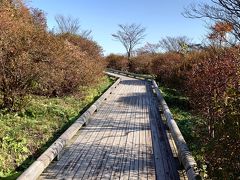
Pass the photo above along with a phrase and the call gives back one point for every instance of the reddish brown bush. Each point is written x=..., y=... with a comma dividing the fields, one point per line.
x=85, y=45
x=213, y=88
x=35, y=61
x=22, y=52
x=141, y=64
x=211, y=79
x=117, y=62
x=84, y=64
x=166, y=68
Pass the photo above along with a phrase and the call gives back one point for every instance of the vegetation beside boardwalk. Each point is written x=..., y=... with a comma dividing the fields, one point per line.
x=34, y=61
x=210, y=79
x=42, y=72
x=25, y=135
x=46, y=78
x=207, y=73
x=188, y=123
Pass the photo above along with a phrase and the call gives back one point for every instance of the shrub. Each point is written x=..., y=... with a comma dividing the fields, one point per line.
x=25, y=51
x=117, y=62
x=166, y=68
x=33, y=60
x=74, y=67
x=141, y=64
x=213, y=88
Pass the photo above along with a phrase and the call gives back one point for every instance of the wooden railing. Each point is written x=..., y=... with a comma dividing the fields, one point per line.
x=141, y=76
x=35, y=170
x=184, y=155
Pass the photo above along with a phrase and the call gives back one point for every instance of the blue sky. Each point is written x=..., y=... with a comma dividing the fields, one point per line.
x=160, y=17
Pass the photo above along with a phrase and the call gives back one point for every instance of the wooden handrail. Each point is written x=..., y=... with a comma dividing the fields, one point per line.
x=35, y=170
x=130, y=74
x=184, y=155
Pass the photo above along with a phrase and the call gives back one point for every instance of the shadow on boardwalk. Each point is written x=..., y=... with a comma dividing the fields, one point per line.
x=123, y=140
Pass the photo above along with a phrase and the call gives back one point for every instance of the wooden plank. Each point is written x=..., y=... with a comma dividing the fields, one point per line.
x=118, y=142
x=160, y=170
x=98, y=165
x=119, y=162
x=129, y=156
x=126, y=160
x=142, y=143
x=66, y=161
x=106, y=170
x=97, y=147
x=151, y=174
x=134, y=163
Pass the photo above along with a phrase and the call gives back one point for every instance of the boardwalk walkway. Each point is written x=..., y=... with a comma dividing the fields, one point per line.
x=124, y=139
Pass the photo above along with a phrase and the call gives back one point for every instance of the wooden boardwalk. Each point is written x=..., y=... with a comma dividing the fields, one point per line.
x=124, y=139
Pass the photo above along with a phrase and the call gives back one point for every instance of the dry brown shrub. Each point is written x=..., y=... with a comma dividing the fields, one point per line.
x=166, y=68
x=117, y=62
x=79, y=69
x=22, y=52
x=89, y=57
x=141, y=64
x=33, y=60
x=214, y=91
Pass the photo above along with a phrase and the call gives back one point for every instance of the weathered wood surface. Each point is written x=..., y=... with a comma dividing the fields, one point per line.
x=184, y=154
x=134, y=75
x=34, y=171
x=124, y=139
x=177, y=143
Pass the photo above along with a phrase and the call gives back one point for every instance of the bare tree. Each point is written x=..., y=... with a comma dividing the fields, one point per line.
x=67, y=24
x=71, y=25
x=86, y=34
x=227, y=11
x=175, y=44
x=39, y=18
x=130, y=36
x=148, y=48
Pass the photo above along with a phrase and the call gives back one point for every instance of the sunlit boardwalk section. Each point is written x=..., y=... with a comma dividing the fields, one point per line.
x=123, y=140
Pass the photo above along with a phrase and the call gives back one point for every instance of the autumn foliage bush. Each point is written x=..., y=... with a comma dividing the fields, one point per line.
x=166, y=68
x=81, y=63
x=117, y=62
x=35, y=61
x=214, y=90
x=141, y=64
x=210, y=78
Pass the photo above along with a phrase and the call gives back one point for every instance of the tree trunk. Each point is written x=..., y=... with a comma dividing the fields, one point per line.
x=128, y=55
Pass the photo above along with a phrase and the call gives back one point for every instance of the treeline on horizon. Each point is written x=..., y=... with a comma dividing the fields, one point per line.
x=209, y=75
x=36, y=61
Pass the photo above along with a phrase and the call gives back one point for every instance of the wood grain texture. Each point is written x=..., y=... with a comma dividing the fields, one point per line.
x=124, y=139
x=35, y=170
x=184, y=155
